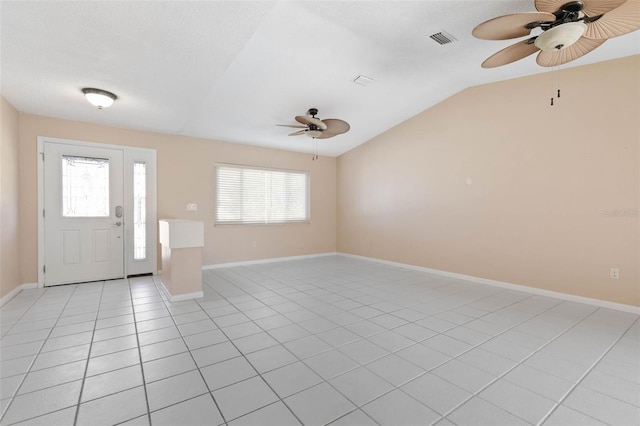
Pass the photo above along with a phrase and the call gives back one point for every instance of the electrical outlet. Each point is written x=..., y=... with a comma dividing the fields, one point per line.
x=192, y=207
x=614, y=273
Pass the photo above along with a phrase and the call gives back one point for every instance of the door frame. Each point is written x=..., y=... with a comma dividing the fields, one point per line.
x=130, y=155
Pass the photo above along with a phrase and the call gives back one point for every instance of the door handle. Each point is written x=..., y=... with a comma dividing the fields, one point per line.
x=118, y=223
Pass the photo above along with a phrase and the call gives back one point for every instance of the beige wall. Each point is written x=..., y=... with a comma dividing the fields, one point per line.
x=535, y=212
x=9, y=191
x=185, y=175
x=542, y=181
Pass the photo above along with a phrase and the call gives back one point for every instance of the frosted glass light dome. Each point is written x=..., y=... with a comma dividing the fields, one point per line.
x=560, y=37
x=99, y=98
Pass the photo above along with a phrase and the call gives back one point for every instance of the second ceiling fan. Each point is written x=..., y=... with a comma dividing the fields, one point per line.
x=569, y=30
x=318, y=129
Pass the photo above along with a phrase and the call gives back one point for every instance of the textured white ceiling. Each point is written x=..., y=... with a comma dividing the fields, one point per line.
x=230, y=70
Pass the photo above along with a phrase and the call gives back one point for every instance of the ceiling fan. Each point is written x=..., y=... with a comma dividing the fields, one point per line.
x=316, y=128
x=569, y=30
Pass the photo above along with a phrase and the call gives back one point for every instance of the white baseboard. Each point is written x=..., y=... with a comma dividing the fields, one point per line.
x=270, y=260
x=13, y=293
x=186, y=296
x=518, y=287
x=177, y=297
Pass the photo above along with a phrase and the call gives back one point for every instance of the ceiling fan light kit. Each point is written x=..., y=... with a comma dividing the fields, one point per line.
x=560, y=37
x=570, y=30
x=313, y=133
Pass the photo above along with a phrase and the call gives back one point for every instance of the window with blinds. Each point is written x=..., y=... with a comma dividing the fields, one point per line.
x=255, y=195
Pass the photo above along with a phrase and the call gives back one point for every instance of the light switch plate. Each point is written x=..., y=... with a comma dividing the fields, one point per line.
x=192, y=207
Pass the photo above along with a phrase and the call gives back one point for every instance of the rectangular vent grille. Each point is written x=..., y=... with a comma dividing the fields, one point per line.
x=363, y=80
x=442, y=38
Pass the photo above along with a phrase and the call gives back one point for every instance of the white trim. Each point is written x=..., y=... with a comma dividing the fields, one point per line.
x=270, y=260
x=186, y=296
x=13, y=293
x=40, y=189
x=177, y=297
x=518, y=287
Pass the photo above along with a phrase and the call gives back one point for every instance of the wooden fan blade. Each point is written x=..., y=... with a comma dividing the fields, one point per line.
x=510, y=26
x=305, y=119
x=335, y=126
x=292, y=126
x=598, y=7
x=299, y=132
x=568, y=54
x=549, y=6
x=619, y=21
x=510, y=54
x=326, y=135
x=591, y=7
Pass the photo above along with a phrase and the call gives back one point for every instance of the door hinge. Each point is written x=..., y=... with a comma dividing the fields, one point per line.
x=42, y=212
x=42, y=153
x=44, y=269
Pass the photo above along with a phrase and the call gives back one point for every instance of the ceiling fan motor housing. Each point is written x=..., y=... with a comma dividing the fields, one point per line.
x=574, y=7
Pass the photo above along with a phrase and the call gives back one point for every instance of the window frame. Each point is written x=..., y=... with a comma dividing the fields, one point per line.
x=265, y=220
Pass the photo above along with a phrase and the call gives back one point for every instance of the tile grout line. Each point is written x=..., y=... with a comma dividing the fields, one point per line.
x=42, y=293
x=135, y=325
x=441, y=417
x=167, y=304
x=86, y=367
x=252, y=366
x=323, y=380
x=15, y=394
x=357, y=407
x=583, y=376
x=317, y=309
x=393, y=352
x=473, y=346
x=201, y=309
x=474, y=394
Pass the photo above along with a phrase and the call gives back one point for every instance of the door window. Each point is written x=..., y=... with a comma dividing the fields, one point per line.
x=139, y=211
x=85, y=186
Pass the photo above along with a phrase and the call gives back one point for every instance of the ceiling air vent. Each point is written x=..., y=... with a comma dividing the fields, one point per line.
x=363, y=80
x=442, y=37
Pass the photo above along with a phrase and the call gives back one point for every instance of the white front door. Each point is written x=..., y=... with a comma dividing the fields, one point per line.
x=83, y=213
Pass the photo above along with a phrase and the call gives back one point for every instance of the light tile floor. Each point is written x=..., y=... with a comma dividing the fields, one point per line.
x=329, y=340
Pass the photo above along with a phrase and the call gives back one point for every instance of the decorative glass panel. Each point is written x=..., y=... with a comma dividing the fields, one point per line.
x=85, y=187
x=139, y=211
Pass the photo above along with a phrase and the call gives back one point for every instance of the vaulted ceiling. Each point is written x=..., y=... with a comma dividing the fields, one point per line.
x=231, y=70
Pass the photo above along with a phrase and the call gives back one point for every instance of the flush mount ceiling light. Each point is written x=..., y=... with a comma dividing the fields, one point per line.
x=99, y=98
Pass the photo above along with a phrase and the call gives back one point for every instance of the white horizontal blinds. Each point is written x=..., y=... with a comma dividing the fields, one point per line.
x=259, y=195
x=288, y=196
